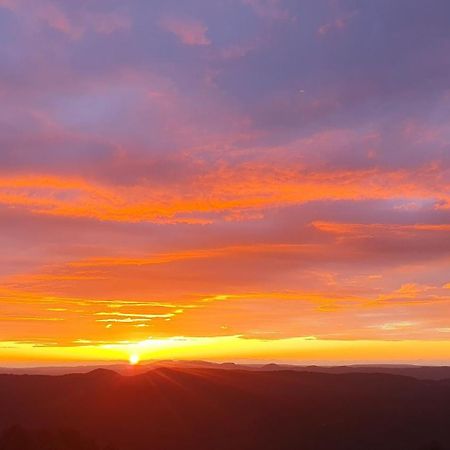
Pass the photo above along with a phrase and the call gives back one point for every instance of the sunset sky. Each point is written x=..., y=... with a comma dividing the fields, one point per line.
x=224, y=179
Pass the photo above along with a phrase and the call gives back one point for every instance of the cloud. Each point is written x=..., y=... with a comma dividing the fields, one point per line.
x=220, y=191
x=107, y=23
x=9, y=4
x=135, y=316
x=361, y=230
x=188, y=31
x=269, y=9
x=56, y=17
x=338, y=24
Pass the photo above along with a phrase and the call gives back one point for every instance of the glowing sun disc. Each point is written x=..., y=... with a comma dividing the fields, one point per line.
x=134, y=359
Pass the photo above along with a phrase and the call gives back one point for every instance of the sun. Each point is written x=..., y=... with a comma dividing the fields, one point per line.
x=134, y=359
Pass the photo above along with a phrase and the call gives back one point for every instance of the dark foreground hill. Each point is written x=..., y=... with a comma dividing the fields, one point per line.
x=19, y=438
x=212, y=409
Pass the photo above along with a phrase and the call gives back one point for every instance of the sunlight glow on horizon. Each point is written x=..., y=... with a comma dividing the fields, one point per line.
x=134, y=359
x=235, y=348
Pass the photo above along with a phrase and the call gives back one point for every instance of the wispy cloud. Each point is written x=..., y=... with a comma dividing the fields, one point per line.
x=188, y=31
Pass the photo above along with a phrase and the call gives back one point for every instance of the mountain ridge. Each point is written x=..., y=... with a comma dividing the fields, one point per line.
x=205, y=408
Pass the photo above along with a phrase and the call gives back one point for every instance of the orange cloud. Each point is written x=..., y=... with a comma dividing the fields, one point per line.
x=361, y=229
x=225, y=192
x=165, y=258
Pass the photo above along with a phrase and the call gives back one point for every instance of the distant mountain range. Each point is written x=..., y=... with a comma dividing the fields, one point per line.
x=205, y=407
x=416, y=371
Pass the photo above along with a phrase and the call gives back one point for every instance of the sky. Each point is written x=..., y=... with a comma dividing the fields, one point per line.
x=224, y=179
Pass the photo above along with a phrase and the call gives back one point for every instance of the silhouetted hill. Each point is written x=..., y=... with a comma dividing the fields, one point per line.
x=216, y=409
x=420, y=372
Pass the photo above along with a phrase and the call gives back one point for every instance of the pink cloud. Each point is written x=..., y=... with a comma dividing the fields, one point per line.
x=109, y=23
x=188, y=31
x=56, y=18
x=270, y=9
x=337, y=25
x=8, y=4
x=43, y=11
